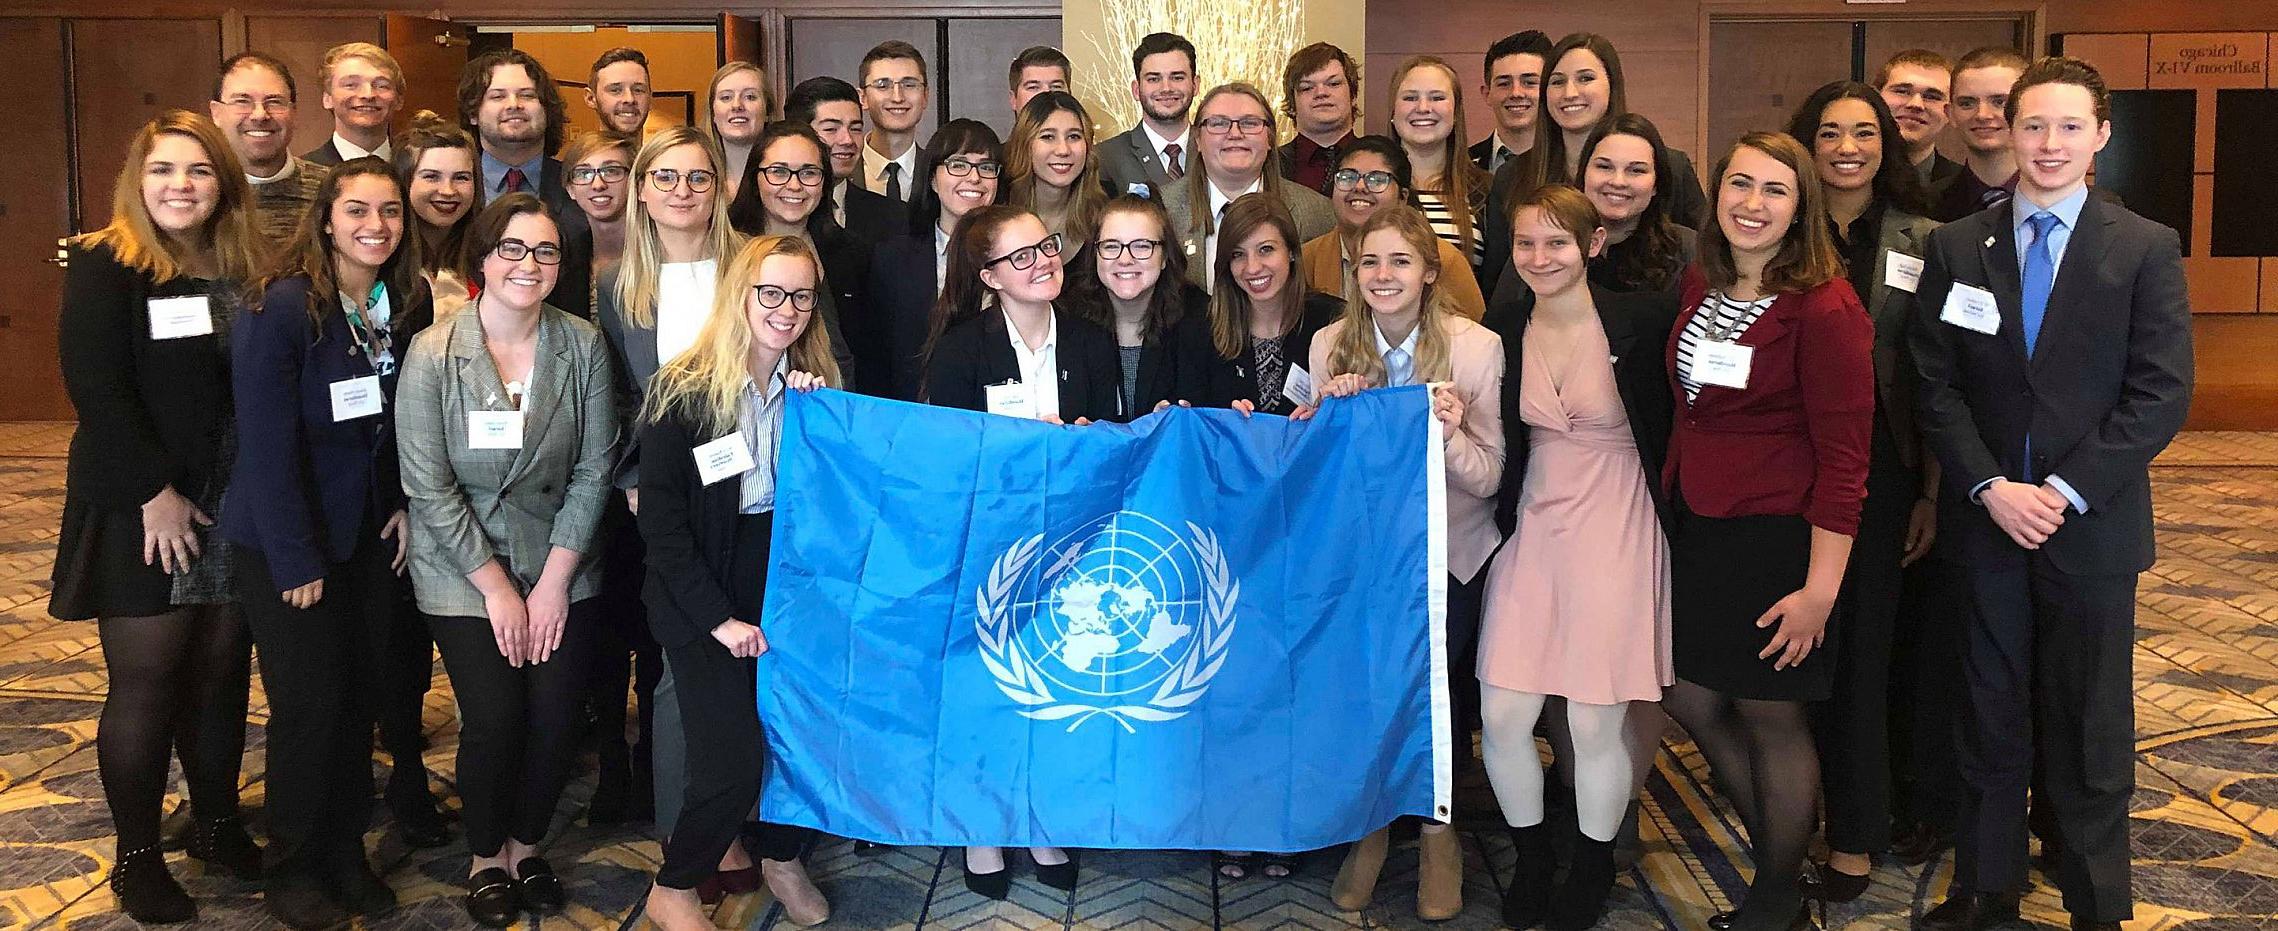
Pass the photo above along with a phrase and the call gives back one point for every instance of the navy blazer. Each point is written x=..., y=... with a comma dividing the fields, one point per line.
x=305, y=485
x=901, y=287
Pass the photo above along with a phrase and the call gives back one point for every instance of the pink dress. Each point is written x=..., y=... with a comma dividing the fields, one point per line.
x=1577, y=604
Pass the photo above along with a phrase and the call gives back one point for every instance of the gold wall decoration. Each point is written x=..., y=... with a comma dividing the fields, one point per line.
x=1238, y=40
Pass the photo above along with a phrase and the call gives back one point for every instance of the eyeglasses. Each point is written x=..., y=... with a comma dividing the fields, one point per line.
x=772, y=297
x=610, y=174
x=808, y=175
x=666, y=179
x=513, y=250
x=1140, y=249
x=958, y=168
x=1376, y=181
x=1024, y=257
x=244, y=103
x=1220, y=126
x=883, y=85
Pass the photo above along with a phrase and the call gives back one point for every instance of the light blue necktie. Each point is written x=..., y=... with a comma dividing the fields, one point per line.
x=2040, y=276
x=1399, y=368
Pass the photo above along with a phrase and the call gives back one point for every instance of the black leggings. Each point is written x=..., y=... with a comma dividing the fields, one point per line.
x=517, y=731
x=1760, y=754
x=177, y=680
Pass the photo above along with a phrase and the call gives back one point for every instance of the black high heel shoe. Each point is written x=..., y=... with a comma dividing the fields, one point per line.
x=1828, y=884
x=995, y=885
x=1061, y=876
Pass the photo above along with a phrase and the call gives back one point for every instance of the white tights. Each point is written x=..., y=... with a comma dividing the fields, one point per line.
x=1603, y=782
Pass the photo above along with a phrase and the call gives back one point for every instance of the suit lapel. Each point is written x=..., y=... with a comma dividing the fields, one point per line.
x=544, y=394
x=2075, y=274
x=1144, y=150
x=1999, y=251
x=479, y=388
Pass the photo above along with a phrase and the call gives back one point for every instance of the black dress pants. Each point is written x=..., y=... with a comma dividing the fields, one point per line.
x=2048, y=665
x=1852, y=727
x=318, y=669
x=625, y=654
x=518, y=726
x=1926, y=691
x=403, y=697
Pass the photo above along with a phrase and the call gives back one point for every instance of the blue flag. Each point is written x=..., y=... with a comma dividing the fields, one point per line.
x=1199, y=630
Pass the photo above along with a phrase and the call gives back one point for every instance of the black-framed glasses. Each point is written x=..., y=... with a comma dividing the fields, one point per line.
x=513, y=250
x=668, y=179
x=882, y=85
x=772, y=297
x=1024, y=257
x=958, y=168
x=1220, y=125
x=1376, y=182
x=610, y=174
x=779, y=173
x=1140, y=249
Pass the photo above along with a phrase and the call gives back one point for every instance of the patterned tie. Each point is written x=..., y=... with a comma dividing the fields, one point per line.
x=1174, y=162
x=1399, y=368
x=515, y=180
x=894, y=180
x=2040, y=276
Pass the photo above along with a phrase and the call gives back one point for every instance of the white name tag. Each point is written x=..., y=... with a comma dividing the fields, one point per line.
x=494, y=429
x=1724, y=365
x=1012, y=401
x=1901, y=271
x=1298, y=387
x=1971, y=308
x=355, y=397
x=725, y=457
x=180, y=317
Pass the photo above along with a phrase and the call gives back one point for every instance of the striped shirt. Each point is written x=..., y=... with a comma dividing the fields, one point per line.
x=1436, y=212
x=1720, y=319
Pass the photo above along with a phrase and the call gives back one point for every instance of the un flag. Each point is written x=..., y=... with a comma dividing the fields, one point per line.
x=1199, y=630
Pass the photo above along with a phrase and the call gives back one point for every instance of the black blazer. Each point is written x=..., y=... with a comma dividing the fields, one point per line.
x=978, y=353
x=1688, y=207
x=150, y=411
x=2106, y=388
x=689, y=529
x=872, y=217
x=1175, y=365
x=1235, y=379
x=1637, y=328
x=326, y=155
x=573, y=285
x=304, y=483
x=900, y=288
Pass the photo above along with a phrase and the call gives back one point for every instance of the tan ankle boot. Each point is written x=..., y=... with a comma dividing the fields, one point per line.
x=802, y=902
x=1439, y=875
x=1356, y=879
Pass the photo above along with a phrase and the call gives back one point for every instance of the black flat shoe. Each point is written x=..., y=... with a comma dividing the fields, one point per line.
x=302, y=906
x=1828, y=884
x=421, y=823
x=147, y=892
x=1721, y=921
x=221, y=844
x=995, y=885
x=1916, y=844
x=1061, y=876
x=540, y=889
x=491, y=899
x=1969, y=911
x=362, y=890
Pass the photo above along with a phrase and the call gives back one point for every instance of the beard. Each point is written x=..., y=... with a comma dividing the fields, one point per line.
x=1165, y=116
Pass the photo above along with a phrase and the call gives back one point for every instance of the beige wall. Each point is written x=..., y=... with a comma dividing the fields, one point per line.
x=1237, y=39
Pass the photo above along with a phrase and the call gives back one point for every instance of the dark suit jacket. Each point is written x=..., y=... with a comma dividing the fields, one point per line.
x=1892, y=310
x=689, y=531
x=1688, y=206
x=890, y=348
x=1636, y=326
x=326, y=155
x=1129, y=158
x=978, y=353
x=1173, y=366
x=1234, y=379
x=304, y=483
x=2106, y=388
x=573, y=286
x=553, y=188
x=873, y=218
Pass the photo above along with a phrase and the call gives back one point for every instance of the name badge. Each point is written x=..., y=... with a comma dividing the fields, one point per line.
x=1011, y=400
x=494, y=429
x=1971, y=308
x=1724, y=365
x=181, y=317
x=1298, y=387
x=1901, y=271
x=725, y=457
x=355, y=397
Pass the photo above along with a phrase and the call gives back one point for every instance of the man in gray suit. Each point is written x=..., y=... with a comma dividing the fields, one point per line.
x=1146, y=158
x=1234, y=139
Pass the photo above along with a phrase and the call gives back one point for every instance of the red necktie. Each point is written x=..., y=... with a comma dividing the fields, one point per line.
x=515, y=180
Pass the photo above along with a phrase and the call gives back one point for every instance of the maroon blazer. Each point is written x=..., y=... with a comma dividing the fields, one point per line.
x=1797, y=439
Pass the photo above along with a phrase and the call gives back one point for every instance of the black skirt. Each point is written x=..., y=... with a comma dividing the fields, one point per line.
x=1725, y=572
x=99, y=570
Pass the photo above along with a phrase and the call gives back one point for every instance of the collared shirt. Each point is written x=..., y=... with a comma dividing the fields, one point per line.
x=1162, y=145
x=1039, y=367
x=1497, y=153
x=2067, y=211
x=494, y=173
x=838, y=201
x=684, y=300
x=349, y=150
x=1218, y=203
x=1384, y=348
x=940, y=258
x=1313, y=161
x=760, y=419
x=874, y=170
x=1860, y=246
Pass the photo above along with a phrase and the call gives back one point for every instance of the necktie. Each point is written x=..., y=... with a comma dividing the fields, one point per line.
x=894, y=180
x=515, y=180
x=1399, y=368
x=1174, y=162
x=2040, y=276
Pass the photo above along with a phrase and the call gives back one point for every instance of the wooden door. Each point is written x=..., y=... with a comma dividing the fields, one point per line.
x=1759, y=71
x=740, y=38
x=120, y=80
x=35, y=209
x=431, y=52
x=300, y=42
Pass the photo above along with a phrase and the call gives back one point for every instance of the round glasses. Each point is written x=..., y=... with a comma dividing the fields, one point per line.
x=772, y=297
x=667, y=179
x=1024, y=257
x=513, y=250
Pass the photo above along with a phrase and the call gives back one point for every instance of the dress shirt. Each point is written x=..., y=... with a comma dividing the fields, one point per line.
x=760, y=419
x=874, y=170
x=494, y=174
x=1218, y=203
x=1384, y=349
x=940, y=258
x=349, y=150
x=1314, y=161
x=684, y=299
x=2067, y=211
x=1162, y=146
x=1039, y=368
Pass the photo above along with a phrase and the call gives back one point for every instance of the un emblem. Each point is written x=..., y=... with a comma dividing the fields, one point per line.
x=1124, y=618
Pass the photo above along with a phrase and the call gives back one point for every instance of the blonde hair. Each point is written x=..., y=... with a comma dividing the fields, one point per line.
x=586, y=143
x=1198, y=220
x=766, y=98
x=1355, y=349
x=1463, y=186
x=240, y=253
x=706, y=383
x=378, y=56
x=643, y=259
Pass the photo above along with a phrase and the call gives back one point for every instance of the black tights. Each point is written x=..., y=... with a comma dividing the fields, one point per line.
x=177, y=681
x=1761, y=755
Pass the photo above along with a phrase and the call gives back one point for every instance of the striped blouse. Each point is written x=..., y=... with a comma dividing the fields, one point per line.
x=1436, y=212
x=1722, y=319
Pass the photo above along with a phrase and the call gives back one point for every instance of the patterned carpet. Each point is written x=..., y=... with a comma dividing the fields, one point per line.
x=2206, y=810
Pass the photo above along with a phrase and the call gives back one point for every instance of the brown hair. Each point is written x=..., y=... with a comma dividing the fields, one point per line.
x=312, y=252
x=230, y=233
x=430, y=131
x=2062, y=69
x=889, y=49
x=489, y=227
x=1355, y=349
x=1566, y=207
x=614, y=56
x=963, y=295
x=1229, y=304
x=1992, y=56
x=1166, y=304
x=1313, y=58
x=474, y=83
x=1807, y=257
x=1086, y=198
x=1545, y=162
x=1917, y=57
x=1038, y=56
x=586, y=143
x=1463, y=186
